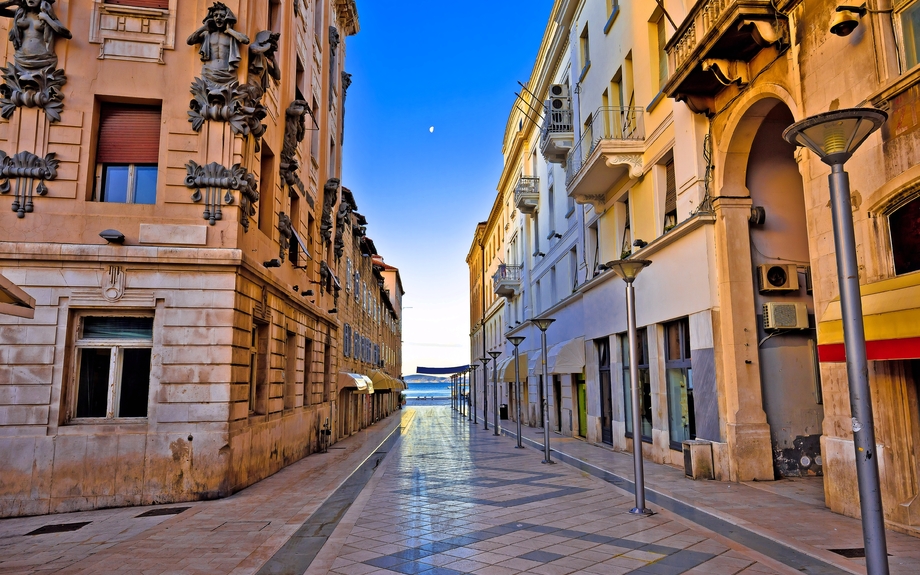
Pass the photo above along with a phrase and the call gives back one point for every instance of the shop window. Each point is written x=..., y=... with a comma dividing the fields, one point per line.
x=904, y=223
x=645, y=386
x=681, y=423
x=127, y=152
x=113, y=366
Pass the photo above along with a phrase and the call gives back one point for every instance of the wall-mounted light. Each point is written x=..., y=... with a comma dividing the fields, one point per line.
x=846, y=19
x=275, y=263
x=112, y=236
x=308, y=292
x=640, y=243
x=333, y=310
x=557, y=235
x=758, y=216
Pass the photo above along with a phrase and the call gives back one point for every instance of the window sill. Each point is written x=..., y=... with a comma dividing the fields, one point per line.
x=584, y=71
x=655, y=101
x=613, y=16
x=82, y=425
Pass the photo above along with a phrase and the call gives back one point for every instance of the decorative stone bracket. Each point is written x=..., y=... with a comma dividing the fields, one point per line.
x=213, y=179
x=727, y=71
x=631, y=161
x=26, y=168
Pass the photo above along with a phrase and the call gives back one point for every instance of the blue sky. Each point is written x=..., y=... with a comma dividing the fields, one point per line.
x=454, y=66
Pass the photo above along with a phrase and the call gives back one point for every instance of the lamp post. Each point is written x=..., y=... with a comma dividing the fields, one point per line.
x=485, y=392
x=495, y=355
x=628, y=270
x=542, y=324
x=834, y=136
x=472, y=414
x=460, y=392
x=516, y=341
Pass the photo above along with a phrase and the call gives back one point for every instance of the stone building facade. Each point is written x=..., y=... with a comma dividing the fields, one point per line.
x=170, y=183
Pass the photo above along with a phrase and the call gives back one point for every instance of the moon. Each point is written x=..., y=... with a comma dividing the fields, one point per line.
x=431, y=129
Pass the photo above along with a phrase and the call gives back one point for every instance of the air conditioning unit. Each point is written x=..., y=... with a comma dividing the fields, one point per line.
x=558, y=91
x=782, y=315
x=560, y=104
x=777, y=277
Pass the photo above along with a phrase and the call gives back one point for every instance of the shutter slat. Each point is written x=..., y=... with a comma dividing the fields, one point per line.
x=128, y=134
x=670, y=198
x=162, y=4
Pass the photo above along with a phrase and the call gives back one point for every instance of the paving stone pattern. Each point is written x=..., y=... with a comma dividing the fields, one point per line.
x=452, y=498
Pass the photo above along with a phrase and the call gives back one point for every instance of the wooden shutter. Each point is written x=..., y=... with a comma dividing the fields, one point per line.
x=670, y=198
x=162, y=4
x=128, y=134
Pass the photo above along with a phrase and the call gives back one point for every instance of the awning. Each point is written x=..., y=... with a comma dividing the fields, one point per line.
x=361, y=383
x=567, y=357
x=507, y=374
x=303, y=246
x=499, y=367
x=14, y=301
x=891, y=318
x=382, y=381
x=534, y=365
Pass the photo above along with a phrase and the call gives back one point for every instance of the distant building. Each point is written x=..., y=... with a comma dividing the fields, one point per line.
x=183, y=257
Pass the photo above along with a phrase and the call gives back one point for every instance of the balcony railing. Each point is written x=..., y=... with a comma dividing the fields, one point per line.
x=556, y=121
x=607, y=123
x=507, y=279
x=556, y=134
x=527, y=194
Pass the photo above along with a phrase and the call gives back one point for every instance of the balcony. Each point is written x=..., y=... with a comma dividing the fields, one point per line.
x=609, y=151
x=715, y=45
x=527, y=194
x=556, y=135
x=507, y=280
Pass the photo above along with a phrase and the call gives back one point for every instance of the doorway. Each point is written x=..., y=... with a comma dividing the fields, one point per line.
x=557, y=401
x=581, y=398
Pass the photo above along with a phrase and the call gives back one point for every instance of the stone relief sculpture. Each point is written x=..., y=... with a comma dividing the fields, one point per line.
x=286, y=229
x=215, y=179
x=330, y=197
x=217, y=93
x=334, y=40
x=340, y=219
x=294, y=132
x=33, y=79
x=346, y=83
x=26, y=168
x=262, y=63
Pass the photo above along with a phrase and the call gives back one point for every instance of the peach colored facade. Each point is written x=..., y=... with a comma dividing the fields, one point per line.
x=230, y=369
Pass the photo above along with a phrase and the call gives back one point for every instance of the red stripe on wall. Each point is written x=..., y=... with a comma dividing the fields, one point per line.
x=881, y=350
x=163, y=4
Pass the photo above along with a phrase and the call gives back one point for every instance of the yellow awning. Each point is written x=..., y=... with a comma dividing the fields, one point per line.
x=891, y=318
x=534, y=367
x=507, y=374
x=567, y=357
x=383, y=381
x=356, y=381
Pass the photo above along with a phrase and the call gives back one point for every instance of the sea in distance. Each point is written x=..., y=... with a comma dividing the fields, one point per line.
x=427, y=387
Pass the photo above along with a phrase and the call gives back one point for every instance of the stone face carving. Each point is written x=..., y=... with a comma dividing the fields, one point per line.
x=33, y=80
x=286, y=229
x=215, y=179
x=217, y=94
x=294, y=132
x=262, y=63
x=325, y=278
x=346, y=82
x=330, y=197
x=340, y=219
x=26, y=168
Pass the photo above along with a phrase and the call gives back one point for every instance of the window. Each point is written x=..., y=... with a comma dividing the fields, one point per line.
x=645, y=386
x=347, y=275
x=681, y=422
x=551, y=210
x=290, y=370
x=660, y=38
x=908, y=18
x=274, y=15
x=161, y=4
x=127, y=152
x=357, y=286
x=904, y=224
x=307, y=371
x=603, y=369
x=346, y=340
x=536, y=234
x=585, y=51
x=573, y=268
x=626, y=244
x=113, y=366
x=266, y=190
x=357, y=345
x=258, y=367
x=670, y=197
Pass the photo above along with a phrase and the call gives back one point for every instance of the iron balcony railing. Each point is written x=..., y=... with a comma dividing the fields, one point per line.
x=507, y=278
x=555, y=121
x=527, y=192
x=607, y=123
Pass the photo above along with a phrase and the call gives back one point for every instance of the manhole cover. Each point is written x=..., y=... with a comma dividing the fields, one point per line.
x=164, y=511
x=59, y=528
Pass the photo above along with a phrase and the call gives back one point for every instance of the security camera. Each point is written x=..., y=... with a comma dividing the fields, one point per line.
x=846, y=19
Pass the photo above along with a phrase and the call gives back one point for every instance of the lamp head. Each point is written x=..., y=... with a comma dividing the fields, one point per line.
x=495, y=354
x=835, y=136
x=515, y=339
x=542, y=323
x=627, y=269
x=846, y=19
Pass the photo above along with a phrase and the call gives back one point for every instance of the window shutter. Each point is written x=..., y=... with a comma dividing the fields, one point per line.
x=670, y=199
x=161, y=4
x=128, y=134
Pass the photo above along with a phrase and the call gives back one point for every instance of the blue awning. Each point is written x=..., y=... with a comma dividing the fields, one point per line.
x=441, y=370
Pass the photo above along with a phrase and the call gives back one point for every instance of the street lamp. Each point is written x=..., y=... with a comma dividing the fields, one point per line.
x=628, y=270
x=542, y=324
x=834, y=137
x=495, y=355
x=516, y=341
x=485, y=392
x=471, y=416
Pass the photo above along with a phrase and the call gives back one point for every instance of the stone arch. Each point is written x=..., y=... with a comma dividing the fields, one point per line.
x=732, y=152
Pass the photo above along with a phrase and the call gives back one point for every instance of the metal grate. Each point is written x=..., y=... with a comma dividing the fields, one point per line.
x=852, y=553
x=163, y=511
x=59, y=528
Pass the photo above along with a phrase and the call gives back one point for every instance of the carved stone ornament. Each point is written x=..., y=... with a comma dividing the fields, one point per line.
x=325, y=278
x=113, y=284
x=631, y=161
x=262, y=63
x=330, y=197
x=286, y=231
x=216, y=182
x=217, y=94
x=294, y=132
x=340, y=218
x=33, y=80
x=26, y=168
